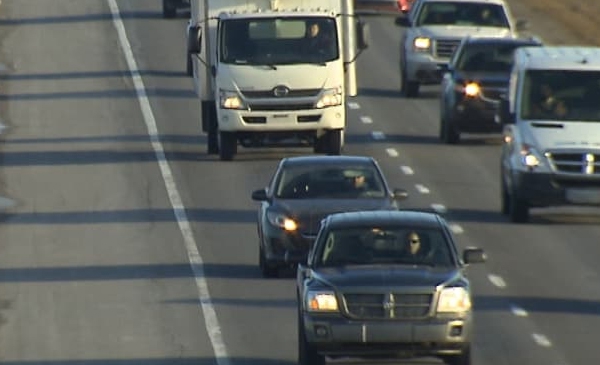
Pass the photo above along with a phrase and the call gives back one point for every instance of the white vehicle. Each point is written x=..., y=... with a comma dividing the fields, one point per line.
x=435, y=28
x=263, y=78
x=551, y=118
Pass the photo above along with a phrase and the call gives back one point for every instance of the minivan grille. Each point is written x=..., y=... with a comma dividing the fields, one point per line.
x=388, y=305
x=585, y=163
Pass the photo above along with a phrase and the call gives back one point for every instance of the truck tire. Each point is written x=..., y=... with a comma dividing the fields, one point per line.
x=189, y=67
x=169, y=9
x=227, y=145
x=334, y=141
x=307, y=354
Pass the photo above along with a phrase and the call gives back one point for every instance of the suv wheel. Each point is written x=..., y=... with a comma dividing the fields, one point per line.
x=409, y=89
x=463, y=358
x=307, y=354
x=518, y=209
x=266, y=270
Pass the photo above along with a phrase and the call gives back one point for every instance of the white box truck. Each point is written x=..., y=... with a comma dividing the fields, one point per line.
x=269, y=72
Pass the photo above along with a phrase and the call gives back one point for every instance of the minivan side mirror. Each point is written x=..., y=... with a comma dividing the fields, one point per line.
x=363, y=35
x=194, y=43
x=504, y=114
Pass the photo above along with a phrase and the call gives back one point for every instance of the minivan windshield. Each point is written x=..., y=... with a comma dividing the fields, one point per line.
x=561, y=95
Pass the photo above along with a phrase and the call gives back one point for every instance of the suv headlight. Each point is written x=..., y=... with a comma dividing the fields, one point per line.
x=453, y=300
x=321, y=301
x=230, y=100
x=282, y=221
x=422, y=44
x=530, y=157
x=330, y=97
x=471, y=89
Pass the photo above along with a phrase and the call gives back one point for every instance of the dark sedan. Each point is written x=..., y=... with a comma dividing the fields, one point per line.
x=387, y=284
x=303, y=191
x=478, y=73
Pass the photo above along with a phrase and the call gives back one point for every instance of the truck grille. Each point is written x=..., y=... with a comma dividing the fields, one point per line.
x=279, y=107
x=445, y=47
x=255, y=94
x=388, y=305
x=585, y=163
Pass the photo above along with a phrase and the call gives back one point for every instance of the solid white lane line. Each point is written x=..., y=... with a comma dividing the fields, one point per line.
x=366, y=120
x=377, y=135
x=541, y=340
x=353, y=105
x=439, y=208
x=518, y=311
x=422, y=189
x=392, y=152
x=407, y=170
x=456, y=228
x=497, y=281
x=197, y=264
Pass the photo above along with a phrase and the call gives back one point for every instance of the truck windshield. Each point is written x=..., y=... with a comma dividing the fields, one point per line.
x=276, y=41
x=561, y=95
x=462, y=13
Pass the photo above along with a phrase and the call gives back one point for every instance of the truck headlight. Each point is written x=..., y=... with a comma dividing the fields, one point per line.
x=453, y=300
x=282, y=221
x=330, y=97
x=422, y=44
x=321, y=301
x=231, y=100
x=530, y=157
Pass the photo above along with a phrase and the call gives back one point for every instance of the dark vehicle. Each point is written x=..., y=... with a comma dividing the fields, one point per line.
x=169, y=7
x=476, y=76
x=303, y=191
x=385, y=284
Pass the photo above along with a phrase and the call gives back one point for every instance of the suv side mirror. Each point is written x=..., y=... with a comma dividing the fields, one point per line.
x=259, y=195
x=402, y=21
x=363, y=35
x=194, y=43
x=473, y=255
x=504, y=114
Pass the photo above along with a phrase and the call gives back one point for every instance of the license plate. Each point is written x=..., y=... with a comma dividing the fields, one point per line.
x=583, y=196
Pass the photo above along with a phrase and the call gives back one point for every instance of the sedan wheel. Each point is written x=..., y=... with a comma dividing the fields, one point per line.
x=266, y=270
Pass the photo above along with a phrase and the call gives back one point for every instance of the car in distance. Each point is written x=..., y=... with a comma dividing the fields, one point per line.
x=476, y=77
x=305, y=189
x=385, y=284
x=434, y=28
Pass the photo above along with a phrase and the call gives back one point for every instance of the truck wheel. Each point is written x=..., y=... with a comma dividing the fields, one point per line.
x=463, y=358
x=449, y=133
x=334, y=141
x=267, y=271
x=169, y=9
x=227, y=145
x=189, y=67
x=212, y=138
x=307, y=354
x=519, y=210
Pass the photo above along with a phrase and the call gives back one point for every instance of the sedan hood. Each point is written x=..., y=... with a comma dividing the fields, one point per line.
x=368, y=276
x=309, y=213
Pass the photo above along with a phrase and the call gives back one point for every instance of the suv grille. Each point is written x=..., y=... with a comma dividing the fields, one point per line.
x=585, y=163
x=445, y=47
x=388, y=305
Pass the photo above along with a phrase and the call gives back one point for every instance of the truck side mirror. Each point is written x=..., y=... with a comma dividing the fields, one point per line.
x=504, y=114
x=522, y=25
x=194, y=39
x=363, y=35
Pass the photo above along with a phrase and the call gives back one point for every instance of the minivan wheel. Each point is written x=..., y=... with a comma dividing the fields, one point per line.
x=519, y=209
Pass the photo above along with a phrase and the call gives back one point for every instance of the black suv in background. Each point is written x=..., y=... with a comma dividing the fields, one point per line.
x=385, y=284
x=478, y=73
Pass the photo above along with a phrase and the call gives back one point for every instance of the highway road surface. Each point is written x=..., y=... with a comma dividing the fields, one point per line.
x=122, y=242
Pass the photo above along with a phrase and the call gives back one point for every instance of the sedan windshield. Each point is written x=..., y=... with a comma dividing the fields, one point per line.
x=461, y=13
x=384, y=245
x=330, y=182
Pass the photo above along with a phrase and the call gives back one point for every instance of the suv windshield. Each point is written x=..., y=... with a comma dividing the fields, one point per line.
x=384, y=245
x=461, y=13
x=272, y=41
x=561, y=95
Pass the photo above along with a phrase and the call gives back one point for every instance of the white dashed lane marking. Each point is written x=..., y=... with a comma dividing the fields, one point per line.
x=422, y=189
x=407, y=170
x=353, y=105
x=439, y=208
x=497, y=280
x=392, y=152
x=518, y=311
x=541, y=340
x=366, y=120
x=377, y=135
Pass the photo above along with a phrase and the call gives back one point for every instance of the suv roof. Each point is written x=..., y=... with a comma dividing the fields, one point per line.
x=385, y=217
x=559, y=58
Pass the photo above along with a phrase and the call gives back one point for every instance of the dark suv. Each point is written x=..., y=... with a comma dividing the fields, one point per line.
x=385, y=284
x=476, y=76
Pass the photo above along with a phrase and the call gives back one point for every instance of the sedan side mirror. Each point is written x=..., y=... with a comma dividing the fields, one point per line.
x=259, y=195
x=400, y=194
x=473, y=255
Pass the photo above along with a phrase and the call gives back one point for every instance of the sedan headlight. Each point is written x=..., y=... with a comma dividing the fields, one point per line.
x=530, y=157
x=330, y=97
x=231, y=100
x=282, y=221
x=321, y=301
x=422, y=44
x=453, y=300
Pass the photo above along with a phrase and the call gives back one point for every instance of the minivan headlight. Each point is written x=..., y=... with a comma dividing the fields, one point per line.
x=530, y=157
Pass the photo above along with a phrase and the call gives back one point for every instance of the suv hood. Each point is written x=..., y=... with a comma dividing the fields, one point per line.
x=385, y=276
x=547, y=135
x=460, y=31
